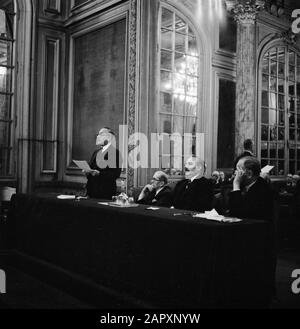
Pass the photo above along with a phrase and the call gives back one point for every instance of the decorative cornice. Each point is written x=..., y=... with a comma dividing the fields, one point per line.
x=287, y=36
x=290, y=37
x=245, y=12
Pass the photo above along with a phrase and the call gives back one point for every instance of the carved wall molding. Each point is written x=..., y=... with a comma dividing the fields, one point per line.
x=132, y=81
x=245, y=13
x=289, y=37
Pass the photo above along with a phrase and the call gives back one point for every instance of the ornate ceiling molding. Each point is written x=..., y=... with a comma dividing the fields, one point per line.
x=288, y=37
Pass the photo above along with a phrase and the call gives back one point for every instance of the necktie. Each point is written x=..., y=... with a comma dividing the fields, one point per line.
x=188, y=184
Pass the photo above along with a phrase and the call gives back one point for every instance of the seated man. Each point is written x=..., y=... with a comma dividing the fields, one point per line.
x=252, y=196
x=156, y=193
x=195, y=192
x=215, y=179
x=223, y=179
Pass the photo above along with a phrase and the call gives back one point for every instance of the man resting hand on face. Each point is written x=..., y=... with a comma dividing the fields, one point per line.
x=252, y=197
x=156, y=193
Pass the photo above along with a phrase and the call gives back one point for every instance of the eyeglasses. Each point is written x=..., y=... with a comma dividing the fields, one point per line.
x=156, y=179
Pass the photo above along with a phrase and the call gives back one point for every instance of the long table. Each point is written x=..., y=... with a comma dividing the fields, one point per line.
x=165, y=260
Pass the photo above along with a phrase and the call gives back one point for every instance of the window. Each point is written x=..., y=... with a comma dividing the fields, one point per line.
x=280, y=110
x=7, y=18
x=179, y=84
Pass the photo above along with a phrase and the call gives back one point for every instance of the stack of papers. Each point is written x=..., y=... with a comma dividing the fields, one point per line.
x=83, y=165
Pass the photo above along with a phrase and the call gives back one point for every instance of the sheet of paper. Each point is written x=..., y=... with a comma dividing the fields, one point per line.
x=66, y=197
x=212, y=215
x=266, y=169
x=104, y=203
x=153, y=208
x=82, y=165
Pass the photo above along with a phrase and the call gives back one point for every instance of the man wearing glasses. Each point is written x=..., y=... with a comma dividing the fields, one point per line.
x=157, y=193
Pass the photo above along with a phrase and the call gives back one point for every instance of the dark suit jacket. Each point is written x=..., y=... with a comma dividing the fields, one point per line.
x=104, y=185
x=162, y=199
x=257, y=203
x=197, y=195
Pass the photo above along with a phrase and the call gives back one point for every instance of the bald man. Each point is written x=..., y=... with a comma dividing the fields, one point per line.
x=252, y=196
x=195, y=192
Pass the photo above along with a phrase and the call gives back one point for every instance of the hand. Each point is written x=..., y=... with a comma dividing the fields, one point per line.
x=148, y=188
x=238, y=179
x=95, y=172
x=91, y=172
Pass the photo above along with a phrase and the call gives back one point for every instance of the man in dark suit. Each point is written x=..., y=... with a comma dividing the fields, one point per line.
x=248, y=152
x=252, y=196
x=104, y=163
x=157, y=193
x=195, y=192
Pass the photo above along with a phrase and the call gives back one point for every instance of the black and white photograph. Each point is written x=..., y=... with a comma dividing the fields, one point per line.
x=149, y=157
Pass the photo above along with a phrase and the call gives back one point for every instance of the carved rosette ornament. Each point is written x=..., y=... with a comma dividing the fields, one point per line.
x=245, y=11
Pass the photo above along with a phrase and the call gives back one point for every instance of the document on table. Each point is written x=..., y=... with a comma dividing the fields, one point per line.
x=266, y=169
x=66, y=197
x=213, y=215
x=82, y=165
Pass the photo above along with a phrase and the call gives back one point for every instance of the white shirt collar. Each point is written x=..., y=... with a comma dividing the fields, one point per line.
x=195, y=177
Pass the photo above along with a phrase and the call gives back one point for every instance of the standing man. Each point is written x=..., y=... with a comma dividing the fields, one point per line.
x=101, y=180
x=248, y=152
x=195, y=192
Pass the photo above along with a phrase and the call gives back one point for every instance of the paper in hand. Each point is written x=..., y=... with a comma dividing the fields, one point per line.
x=82, y=165
x=266, y=169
